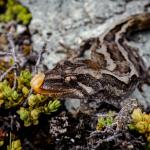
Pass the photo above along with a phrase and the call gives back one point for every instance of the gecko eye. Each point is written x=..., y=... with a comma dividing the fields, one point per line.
x=70, y=79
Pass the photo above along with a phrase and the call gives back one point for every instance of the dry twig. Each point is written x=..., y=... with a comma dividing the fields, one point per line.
x=5, y=54
x=34, y=72
x=6, y=72
x=108, y=139
x=13, y=51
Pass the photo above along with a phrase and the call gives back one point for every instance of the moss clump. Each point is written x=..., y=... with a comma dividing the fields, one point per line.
x=105, y=120
x=15, y=11
x=31, y=115
x=37, y=103
x=35, y=100
x=52, y=106
x=24, y=79
x=8, y=96
x=141, y=122
x=1, y=143
x=15, y=145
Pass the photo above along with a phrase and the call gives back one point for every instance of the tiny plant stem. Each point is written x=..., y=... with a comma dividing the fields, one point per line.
x=110, y=138
x=34, y=72
x=10, y=140
x=13, y=51
x=5, y=54
x=11, y=42
x=26, y=100
x=39, y=59
x=6, y=72
x=15, y=79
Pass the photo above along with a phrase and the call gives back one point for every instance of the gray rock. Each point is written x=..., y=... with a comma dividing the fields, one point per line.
x=73, y=106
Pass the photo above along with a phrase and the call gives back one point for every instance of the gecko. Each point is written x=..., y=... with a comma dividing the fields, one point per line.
x=111, y=72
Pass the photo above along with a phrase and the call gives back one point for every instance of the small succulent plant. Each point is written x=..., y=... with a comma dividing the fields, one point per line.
x=31, y=115
x=15, y=145
x=105, y=120
x=14, y=11
x=141, y=122
x=37, y=103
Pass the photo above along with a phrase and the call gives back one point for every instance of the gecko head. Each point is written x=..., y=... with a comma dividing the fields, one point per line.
x=59, y=82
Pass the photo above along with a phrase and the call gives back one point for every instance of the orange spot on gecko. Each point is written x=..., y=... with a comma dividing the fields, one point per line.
x=37, y=81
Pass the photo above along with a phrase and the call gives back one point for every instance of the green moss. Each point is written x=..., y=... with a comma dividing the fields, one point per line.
x=140, y=123
x=37, y=104
x=35, y=100
x=24, y=79
x=9, y=97
x=105, y=120
x=30, y=115
x=25, y=91
x=52, y=106
x=15, y=145
x=24, y=116
x=15, y=11
x=1, y=143
x=147, y=146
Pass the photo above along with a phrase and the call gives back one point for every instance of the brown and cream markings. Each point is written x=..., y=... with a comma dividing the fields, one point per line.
x=111, y=73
